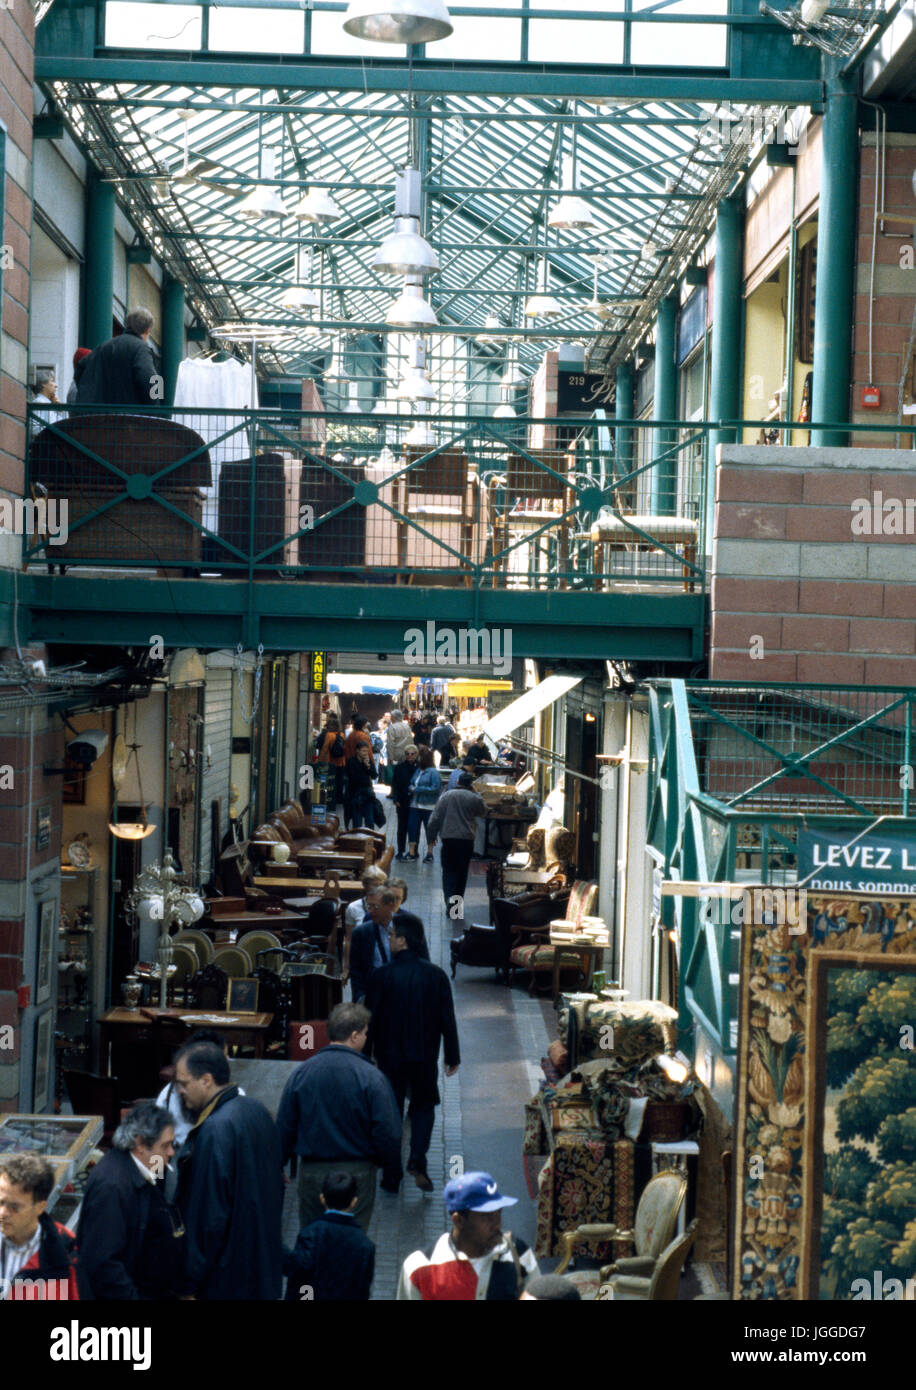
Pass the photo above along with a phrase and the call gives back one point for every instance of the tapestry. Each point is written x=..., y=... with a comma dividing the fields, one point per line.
x=825, y=1156
x=586, y=1180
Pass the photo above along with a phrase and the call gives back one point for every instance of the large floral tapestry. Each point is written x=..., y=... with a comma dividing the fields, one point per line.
x=825, y=1159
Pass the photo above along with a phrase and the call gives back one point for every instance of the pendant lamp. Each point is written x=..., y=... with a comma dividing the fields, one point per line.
x=398, y=21
x=404, y=251
x=138, y=829
x=264, y=199
x=571, y=213
x=542, y=304
x=317, y=206
x=410, y=310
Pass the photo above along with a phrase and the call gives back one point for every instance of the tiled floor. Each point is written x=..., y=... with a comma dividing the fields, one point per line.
x=503, y=1035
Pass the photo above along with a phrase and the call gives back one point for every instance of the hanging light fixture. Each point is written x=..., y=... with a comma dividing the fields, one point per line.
x=297, y=298
x=542, y=304
x=264, y=199
x=513, y=375
x=404, y=251
x=410, y=310
x=504, y=411
x=398, y=21
x=420, y=433
x=415, y=385
x=138, y=829
x=317, y=206
x=571, y=213
x=487, y=336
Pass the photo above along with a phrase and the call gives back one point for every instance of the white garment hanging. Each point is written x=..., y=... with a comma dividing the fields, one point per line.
x=216, y=385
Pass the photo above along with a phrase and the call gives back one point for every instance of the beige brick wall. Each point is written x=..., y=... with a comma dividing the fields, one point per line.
x=796, y=595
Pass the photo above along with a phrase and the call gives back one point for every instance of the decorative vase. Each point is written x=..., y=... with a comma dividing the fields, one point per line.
x=132, y=991
x=280, y=853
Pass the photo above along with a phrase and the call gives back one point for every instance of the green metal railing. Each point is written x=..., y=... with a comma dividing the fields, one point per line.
x=737, y=770
x=485, y=502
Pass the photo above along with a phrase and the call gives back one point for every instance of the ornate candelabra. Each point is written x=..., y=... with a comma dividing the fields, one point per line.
x=161, y=894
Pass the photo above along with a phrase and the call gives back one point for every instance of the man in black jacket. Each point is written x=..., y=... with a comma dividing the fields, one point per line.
x=122, y=371
x=369, y=946
x=410, y=1001
x=230, y=1184
x=131, y=1240
x=338, y=1114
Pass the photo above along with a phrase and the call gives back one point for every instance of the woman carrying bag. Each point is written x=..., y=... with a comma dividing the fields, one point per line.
x=330, y=761
x=425, y=788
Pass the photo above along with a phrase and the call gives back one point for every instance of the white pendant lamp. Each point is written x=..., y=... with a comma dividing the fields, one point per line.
x=410, y=310
x=571, y=213
x=264, y=199
x=541, y=304
x=504, y=411
x=298, y=299
x=398, y=21
x=317, y=206
x=487, y=336
x=415, y=385
x=132, y=829
x=404, y=251
x=420, y=434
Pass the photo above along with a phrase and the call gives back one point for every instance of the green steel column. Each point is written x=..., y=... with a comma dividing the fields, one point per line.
x=664, y=474
x=172, y=333
x=725, y=355
x=100, y=236
x=836, y=258
x=625, y=409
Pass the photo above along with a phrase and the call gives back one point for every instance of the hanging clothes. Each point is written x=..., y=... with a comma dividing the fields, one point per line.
x=224, y=386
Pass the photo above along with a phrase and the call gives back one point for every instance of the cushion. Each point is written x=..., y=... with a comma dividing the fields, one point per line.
x=587, y=1281
x=293, y=817
x=532, y=957
x=282, y=830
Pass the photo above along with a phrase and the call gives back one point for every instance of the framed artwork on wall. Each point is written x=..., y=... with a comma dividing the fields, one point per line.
x=45, y=953
x=825, y=1094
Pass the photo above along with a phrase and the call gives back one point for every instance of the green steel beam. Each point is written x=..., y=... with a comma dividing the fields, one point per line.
x=173, y=341
x=664, y=475
x=212, y=614
x=375, y=75
x=100, y=238
x=725, y=353
x=836, y=244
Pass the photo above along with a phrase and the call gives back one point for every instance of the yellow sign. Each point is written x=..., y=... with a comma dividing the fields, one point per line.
x=319, y=672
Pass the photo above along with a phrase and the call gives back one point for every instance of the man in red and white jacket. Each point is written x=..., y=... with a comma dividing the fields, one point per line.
x=475, y=1260
x=37, y=1254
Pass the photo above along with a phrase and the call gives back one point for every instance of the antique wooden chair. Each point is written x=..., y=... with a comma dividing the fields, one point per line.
x=440, y=494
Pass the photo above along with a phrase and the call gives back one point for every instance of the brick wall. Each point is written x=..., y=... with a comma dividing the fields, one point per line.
x=16, y=68
x=796, y=595
x=894, y=283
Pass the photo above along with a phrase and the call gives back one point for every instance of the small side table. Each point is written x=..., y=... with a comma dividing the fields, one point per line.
x=585, y=953
x=675, y=1155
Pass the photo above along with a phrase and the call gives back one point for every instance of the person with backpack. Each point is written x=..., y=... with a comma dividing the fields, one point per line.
x=425, y=787
x=330, y=761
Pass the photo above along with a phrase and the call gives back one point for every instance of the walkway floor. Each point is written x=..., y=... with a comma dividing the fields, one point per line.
x=503, y=1035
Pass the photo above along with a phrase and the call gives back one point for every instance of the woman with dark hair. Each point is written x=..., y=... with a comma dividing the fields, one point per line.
x=360, y=778
x=425, y=788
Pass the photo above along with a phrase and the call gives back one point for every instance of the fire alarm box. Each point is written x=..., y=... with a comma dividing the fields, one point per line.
x=871, y=397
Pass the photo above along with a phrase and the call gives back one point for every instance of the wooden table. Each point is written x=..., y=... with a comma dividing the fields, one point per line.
x=131, y=1023
x=586, y=952
x=319, y=859
x=349, y=888
x=242, y=922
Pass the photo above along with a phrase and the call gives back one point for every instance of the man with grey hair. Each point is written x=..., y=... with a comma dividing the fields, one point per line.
x=122, y=371
x=131, y=1240
x=398, y=738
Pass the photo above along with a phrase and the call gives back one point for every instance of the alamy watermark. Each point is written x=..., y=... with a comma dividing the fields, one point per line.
x=463, y=646
x=728, y=127
x=39, y=516
x=883, y=516
x=772, y=907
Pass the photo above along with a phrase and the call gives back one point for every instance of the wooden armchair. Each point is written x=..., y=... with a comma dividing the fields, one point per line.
x=441, y=496
x=538, y=955
x=516, y=921
x=535, y=501
x=653, y=1230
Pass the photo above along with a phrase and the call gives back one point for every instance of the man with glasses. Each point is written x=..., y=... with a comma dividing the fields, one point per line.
x=131, y=1240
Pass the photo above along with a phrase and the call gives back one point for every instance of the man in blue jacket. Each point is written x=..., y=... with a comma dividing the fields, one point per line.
x=338, y=1114
x=369, y=943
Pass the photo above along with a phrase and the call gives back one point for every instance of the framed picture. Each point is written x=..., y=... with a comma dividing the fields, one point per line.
x=826, y=1085
x=47, y=920
x=74, y=783
x=43, y=1072
x=243, y=997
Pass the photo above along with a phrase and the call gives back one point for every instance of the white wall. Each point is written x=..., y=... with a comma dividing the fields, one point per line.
x=54, y=318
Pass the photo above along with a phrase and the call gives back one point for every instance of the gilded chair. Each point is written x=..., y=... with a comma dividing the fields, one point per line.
x=656, y=1219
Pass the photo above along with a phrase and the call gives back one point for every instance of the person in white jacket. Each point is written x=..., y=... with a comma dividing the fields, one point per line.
x=399, y=738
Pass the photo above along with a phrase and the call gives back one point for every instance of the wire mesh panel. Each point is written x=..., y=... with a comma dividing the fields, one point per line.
x=824, y=749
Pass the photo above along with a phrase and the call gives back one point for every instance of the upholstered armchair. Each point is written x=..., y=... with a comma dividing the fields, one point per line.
x=537, y=956
x=515, y=921
x=653, y=1231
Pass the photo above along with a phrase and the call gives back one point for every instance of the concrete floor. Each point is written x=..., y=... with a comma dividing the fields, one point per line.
x=503, y=1035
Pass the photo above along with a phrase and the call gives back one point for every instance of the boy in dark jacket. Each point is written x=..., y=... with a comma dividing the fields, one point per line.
x=333, y=1259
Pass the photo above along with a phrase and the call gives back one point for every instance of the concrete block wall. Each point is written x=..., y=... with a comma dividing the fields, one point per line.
x=796, y=594
x=17, y=35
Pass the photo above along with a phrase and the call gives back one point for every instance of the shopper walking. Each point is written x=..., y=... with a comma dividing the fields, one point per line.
x=230, y=1184
x=475, y=1260
x=443, y=740
x=131, y=1240
x=401, y=778
x=330, y=761
x=425, y=789
x=360, y=787
x=398, y=739
x=338, y=1114
x=413, y=1015
x=454, y=821
x=358, y=736
x=333, y=1259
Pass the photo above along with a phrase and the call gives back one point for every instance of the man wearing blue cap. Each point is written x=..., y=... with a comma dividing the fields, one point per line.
x=475, y=1259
